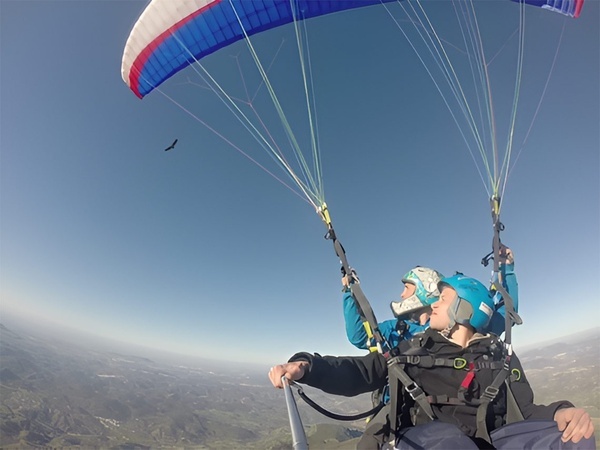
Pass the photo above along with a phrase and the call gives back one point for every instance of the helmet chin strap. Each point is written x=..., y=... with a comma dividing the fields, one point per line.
x=447, y=332
x=452, y=310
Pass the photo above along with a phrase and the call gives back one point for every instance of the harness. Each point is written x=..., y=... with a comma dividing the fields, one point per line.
x=496, y=358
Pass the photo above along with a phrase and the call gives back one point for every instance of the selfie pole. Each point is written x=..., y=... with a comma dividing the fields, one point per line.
x=298, y=435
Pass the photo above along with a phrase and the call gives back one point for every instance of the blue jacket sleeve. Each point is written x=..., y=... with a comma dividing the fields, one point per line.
x=497, y=323
x=510, y=284
x=355, y=330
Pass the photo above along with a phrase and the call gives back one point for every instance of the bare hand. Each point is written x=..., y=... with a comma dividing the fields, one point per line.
x=346, y=281
x=575, y=423
x=292, y=371
x=506, y=255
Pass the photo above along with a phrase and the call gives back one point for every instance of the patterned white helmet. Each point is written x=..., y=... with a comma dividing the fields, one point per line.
x=426, y=282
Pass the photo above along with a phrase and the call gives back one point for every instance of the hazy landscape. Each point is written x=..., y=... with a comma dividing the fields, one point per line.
x=58, y=393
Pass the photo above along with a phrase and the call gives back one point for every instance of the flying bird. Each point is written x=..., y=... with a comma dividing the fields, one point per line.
x=172, y=146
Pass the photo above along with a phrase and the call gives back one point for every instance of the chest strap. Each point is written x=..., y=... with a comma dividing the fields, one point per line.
x=428, y=361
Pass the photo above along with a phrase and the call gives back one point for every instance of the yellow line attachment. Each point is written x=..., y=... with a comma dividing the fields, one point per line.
x=324, y=213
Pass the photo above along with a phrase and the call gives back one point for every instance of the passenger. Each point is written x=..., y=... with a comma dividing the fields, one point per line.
x=457, y=369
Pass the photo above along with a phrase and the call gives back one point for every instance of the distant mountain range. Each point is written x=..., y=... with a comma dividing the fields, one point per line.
x=591, y=335
x=566, y=368
x=61, y=394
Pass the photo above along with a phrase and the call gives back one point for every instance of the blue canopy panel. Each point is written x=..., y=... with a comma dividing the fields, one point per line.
x=169, y=32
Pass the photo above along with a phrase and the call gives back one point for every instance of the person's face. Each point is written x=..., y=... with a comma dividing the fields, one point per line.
x=439, y=319
x=409, y=289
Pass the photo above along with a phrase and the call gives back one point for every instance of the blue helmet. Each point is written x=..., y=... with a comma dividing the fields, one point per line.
x=473, y=305
x=426, y=282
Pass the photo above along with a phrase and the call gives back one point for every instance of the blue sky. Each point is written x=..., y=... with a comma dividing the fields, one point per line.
x=199, y=251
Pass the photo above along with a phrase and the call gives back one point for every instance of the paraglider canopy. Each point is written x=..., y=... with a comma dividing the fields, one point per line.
x=170, y=35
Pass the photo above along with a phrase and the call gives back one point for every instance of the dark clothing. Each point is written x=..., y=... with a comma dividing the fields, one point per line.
x=350, y=376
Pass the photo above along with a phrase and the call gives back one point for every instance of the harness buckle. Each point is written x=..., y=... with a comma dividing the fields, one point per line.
x=490, y=393
x=393, y=360
x=459, y=363
x=413, y=359
x=414, y=390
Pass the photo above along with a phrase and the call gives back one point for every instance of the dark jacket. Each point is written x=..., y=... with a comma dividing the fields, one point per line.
x=350, y=376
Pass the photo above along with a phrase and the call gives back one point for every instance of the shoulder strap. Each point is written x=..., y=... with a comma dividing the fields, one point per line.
x=513, y=411
x=398, y=376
